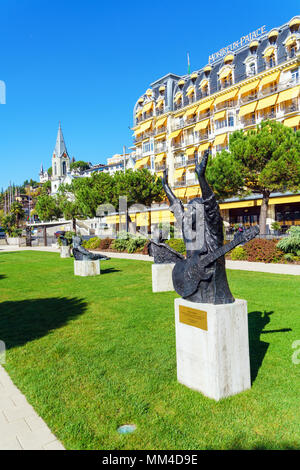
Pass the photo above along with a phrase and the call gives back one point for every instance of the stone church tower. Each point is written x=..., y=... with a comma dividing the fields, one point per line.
x=60, y=162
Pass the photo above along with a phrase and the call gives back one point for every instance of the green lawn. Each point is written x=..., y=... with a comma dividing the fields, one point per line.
x=91, y=354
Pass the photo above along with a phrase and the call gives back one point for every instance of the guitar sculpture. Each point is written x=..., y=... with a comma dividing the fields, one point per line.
x=189, y=272
x=201, y=277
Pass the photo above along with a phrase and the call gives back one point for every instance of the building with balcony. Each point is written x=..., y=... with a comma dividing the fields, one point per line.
x=179, y=117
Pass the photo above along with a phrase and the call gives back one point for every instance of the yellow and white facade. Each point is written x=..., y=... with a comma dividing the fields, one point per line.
x=179, y=117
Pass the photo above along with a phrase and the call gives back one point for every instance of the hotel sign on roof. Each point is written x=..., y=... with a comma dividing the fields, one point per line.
x=237, y=44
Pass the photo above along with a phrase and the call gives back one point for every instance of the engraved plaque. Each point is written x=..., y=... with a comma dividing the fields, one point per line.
x=193, y=317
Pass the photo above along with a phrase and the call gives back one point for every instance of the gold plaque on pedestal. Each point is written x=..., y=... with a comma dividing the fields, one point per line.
x=193, y=317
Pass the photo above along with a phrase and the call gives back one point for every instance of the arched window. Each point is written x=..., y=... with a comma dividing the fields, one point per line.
x=64, y=168
x=55, y=169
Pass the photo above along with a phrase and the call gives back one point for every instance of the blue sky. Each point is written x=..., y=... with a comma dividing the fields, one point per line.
x=85, y=63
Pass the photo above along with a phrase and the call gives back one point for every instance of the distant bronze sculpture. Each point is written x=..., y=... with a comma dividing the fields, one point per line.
x=82, y=254
x=64, y=240
x=161, y=252
x=201, y=277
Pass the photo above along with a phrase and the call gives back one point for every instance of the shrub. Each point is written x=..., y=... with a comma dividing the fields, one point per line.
x=92, y=243
x=105, y=243
x=238, y=254
x=289, y=257
x=120, y=244
x=291, y=244
x=263, y=250
x=135, y=244
x=177, y=244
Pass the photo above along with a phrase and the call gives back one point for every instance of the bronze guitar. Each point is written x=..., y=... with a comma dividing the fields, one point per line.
x=187, y=273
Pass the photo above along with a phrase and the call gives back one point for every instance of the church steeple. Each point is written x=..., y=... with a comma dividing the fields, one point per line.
x=60, y=147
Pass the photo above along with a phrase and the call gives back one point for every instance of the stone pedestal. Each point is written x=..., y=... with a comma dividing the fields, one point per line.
x=212, y=347
x=162, y=277
x=87, y=268
x=65, y=252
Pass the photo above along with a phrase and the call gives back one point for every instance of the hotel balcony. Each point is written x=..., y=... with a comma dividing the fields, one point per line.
x=160, y=167
x=160, y=130
x=160, y=148
x=185, y=163
x=185, y=182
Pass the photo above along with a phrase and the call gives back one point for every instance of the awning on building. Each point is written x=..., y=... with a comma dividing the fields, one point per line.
x=292, y=121
x=201, y=125
x=204, y=106
x=226, y=97
x=179, y=172
x=190, y=90
x=270, y=78
x=249, y=87
x=248, y=108
x=203, y=147
x=269, y=51
x=267, y=102
x=291, y=41
x=180, y=192
x=161, y=122
x=148, y=106
x=220, y=139
x=225, y=73
x=142, y=162
x=190, y=151
x=288, y=94
x=160, y=157
x=220, y=115
x=190, y=111
x=193, y=191
x=175, y=134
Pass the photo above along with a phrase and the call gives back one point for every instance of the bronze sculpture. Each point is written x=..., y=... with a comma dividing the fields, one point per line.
x=82, y=254
x=201, y=277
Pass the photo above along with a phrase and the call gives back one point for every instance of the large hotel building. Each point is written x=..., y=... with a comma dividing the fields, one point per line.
x=179, y=117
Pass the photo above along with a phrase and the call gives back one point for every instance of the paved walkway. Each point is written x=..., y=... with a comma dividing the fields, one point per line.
x=20, y=426
x=291, y=269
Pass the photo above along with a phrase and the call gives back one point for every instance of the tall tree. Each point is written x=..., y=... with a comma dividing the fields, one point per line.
x=47, y=208
x=18, y=212
x=261, y=161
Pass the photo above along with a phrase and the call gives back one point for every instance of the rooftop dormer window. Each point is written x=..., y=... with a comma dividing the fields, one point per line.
x=291, y=46
x=226, y=77
x=270, y=56
x=253, y=47
x=207, y=70
x=272, y=36
x=294, y=24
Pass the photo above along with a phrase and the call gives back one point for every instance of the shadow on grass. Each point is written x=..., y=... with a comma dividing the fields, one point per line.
x=26, y=320
x=2, y=276
x=110, y=270
x=264, y=444
x=258, y=349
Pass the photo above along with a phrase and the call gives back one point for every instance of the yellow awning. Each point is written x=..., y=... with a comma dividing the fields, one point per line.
x=270, y=78
x=225, y=73
x=228, y=58
x=142, y=162
x=160, y=157
x=162, y=216
x=203, y=147
x=175, y=134
x=292, y=40
x=251, y=86
x=139, y=113
x=190, y=90
x=248, y=108
x=292, y=121
x=227, y=96
x=143, y=127
x=147, y=107
x=204, y=106
x=220, y=115
x=288, y=94
x=253, y=44
x=269, y=51
x=142, y=219
x=190, y=151
x=201, y=125
x=161, y=136
x=203, y=83
x=180, y=192
x=191, y=111
x=178, y=96
x=112, y=219
x=207, y=68
x=179, y=172
x=161, y=122
x=193, y=191
x=273, y=33
x=220, y=139
x=266, y=102
x=159, y=174
x=294, y=22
